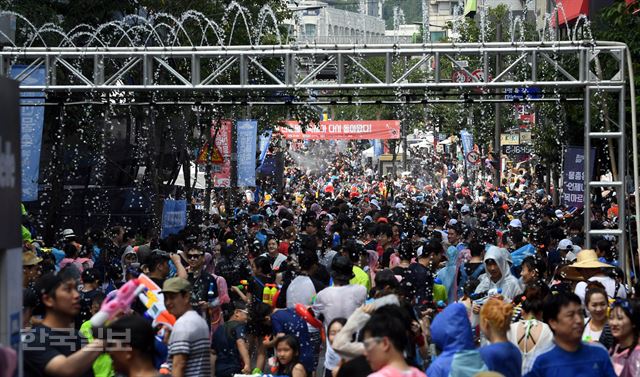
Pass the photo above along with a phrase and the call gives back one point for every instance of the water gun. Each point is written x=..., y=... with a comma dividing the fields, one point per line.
x=243, y=285
x=439, y=291
x=481, y=297
x=117, y=302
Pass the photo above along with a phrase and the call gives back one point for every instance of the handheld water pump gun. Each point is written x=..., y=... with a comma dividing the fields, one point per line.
x=481, y=297
x=117, y=302
x=243, y=285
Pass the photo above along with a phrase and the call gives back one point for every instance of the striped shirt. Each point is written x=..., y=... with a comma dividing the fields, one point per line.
x=190, y=336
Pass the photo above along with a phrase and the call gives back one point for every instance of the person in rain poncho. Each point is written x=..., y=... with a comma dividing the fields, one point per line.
x=449, y=274
x=451, y=333
x=498, y=275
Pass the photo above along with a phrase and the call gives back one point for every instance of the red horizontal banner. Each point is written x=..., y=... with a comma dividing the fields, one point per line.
x=343, y=130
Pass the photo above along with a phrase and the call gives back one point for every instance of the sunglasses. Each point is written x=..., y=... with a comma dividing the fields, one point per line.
x=194, y=256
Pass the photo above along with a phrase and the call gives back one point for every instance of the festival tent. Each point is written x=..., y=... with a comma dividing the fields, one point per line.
x=197, y=180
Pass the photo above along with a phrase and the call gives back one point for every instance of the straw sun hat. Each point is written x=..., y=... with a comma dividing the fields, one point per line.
x=589, y=259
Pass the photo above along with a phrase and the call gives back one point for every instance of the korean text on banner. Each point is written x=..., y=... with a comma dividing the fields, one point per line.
x=247, y=132
x=221, y=174
x=31, y=123
x=467, y=141
x=174, y=217
x=343, y=130
x=573, y=176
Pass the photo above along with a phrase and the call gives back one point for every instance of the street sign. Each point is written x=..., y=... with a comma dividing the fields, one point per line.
x=460, y=76
x=473, y=157
x=525, y=137
x=522, y=93
x=517, y=149
x=460, y=64
x=527, y=118
x=479, y=74
x=216, y=156
x=509, y=139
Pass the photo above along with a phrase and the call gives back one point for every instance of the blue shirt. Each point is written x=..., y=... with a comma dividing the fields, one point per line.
x=503, y=357
x=587, y=361
x=288, y=322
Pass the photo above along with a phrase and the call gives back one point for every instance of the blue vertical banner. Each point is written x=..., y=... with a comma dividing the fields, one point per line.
x=31, y=124
x=247, y=133
x=467, y=142
x=264, y=141
x=174, y=217
x=378, y=148
x=573, y=176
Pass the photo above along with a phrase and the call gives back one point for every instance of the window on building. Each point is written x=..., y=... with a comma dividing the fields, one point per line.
x=444, y=8
x=310, y=30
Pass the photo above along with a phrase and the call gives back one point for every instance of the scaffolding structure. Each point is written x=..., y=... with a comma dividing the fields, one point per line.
x=269, y=74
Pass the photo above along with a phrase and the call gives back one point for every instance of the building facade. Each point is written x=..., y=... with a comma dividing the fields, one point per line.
x=317, y=22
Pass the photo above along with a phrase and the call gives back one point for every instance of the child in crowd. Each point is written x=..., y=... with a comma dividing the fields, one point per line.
x=288, y=355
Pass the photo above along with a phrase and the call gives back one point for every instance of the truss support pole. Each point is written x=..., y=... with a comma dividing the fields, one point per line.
x=587, y=166
x=498, y=128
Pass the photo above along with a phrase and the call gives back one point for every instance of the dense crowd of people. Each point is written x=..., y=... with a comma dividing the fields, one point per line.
x=344, y=274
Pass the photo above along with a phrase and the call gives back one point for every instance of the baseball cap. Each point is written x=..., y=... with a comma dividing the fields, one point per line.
x=465, y=208
x=559, y=213
x=515, y=223
x=566, y=244
x=29, y=258
x=176, y=285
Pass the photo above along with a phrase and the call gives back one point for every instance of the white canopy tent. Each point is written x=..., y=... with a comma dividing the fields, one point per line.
x=197, y=176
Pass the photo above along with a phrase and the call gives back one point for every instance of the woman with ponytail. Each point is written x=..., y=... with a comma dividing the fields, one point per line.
x=500, y=355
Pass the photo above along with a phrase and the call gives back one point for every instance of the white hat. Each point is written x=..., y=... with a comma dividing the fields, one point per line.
x=559, y=213
x=68, y=233
x=566, y=244
x=515, y=223
x=374, y=203
x=465, y=208
x=399, y=206
x=453, y=222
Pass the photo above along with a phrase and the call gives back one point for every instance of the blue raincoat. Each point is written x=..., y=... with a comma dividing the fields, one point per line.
x=451, y=333
x=449, y=274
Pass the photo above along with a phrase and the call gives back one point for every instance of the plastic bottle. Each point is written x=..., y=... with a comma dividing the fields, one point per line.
x=273, y=292
x=266, y=294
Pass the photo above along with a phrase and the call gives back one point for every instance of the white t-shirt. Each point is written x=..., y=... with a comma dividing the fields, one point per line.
x=590, y=336
x=609, y=286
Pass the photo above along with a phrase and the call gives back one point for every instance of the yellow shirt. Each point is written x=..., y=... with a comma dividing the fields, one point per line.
x=361, y=278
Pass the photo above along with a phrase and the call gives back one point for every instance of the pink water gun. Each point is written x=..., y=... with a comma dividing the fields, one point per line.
x=117, y=302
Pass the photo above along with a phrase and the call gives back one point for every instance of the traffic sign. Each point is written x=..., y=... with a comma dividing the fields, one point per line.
x=479, y=74
x=460, y=76
x=473, y=157
x=216, y=156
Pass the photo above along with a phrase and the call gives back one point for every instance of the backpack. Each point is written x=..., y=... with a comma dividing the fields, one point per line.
x=467, y=363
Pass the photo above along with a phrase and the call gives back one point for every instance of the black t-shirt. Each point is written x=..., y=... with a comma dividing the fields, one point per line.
x=223, y=342
x=408, y=284
x=422, y=280
x=41, y=344
x=358, y=367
